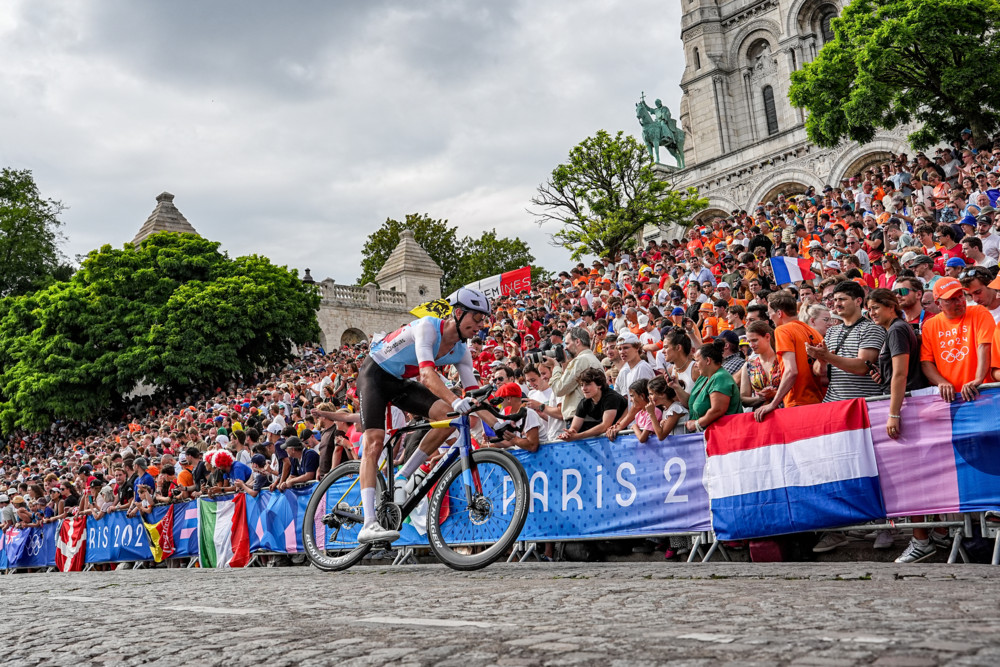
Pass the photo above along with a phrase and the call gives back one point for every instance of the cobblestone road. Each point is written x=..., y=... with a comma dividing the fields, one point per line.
x=544, y=614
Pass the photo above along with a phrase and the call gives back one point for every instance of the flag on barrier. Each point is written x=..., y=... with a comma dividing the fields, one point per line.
x=161, y=536
x=71, y=547
x=804, y=469
x=222, y=529
x=15, y=540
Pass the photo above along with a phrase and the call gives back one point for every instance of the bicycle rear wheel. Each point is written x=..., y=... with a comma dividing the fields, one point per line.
x=491, y=523
x=334, y=517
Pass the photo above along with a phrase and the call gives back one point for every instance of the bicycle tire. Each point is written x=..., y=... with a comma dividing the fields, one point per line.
x=439, y=535
x=349, y=555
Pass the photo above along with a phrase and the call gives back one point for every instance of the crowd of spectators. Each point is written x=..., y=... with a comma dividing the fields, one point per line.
x=661, y=341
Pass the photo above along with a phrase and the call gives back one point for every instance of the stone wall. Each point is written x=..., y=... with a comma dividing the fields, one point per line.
x=348, y=313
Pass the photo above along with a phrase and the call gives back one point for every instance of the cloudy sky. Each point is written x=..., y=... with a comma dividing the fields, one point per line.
x=294, y=129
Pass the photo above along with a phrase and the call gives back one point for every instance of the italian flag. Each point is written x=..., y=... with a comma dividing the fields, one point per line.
x=223, y=537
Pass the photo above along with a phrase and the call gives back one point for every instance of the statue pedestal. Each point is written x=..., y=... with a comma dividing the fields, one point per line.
x=665, y=170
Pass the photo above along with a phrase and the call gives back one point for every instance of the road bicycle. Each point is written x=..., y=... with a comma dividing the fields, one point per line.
x=477, y=500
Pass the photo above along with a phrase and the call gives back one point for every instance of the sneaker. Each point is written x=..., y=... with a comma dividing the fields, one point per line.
x=669, y=554
x=917, y=552
x=884, y=539
x=830, y=542
x=939, y=540
x=373, y=532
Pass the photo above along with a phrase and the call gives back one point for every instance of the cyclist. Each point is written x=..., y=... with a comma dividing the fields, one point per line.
x=414, y=351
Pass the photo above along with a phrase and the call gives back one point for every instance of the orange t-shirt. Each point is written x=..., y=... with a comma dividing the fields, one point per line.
x=953, y=345
x=185, y=478
x=792, y=337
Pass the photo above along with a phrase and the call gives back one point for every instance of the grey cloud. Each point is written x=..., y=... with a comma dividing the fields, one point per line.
x=295, y=129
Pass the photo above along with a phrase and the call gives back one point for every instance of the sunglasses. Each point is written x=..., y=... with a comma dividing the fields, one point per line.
x=971, y=273
x=902, y=291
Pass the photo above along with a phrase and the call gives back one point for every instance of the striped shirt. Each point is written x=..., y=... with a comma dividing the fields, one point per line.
x=845, y=341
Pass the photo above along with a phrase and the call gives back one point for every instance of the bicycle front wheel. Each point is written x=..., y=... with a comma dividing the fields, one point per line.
x=334, y=517
x=473, y=535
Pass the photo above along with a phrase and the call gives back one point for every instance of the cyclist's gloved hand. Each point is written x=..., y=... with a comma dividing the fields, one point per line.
x=461, y=405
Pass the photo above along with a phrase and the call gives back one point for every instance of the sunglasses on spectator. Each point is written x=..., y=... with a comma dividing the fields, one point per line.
x=972, y=273
x=902, y=291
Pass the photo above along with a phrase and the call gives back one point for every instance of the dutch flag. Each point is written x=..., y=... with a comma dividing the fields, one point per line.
x=801, y=469
x=791, y=270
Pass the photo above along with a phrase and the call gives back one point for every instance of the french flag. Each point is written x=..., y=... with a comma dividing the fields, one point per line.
x=791, y=270
x=801, y=469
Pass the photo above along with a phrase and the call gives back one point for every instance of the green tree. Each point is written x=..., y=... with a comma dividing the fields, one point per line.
x=606, y=193
x=173, y=312
x=463, y=260
x=936, y=62
x=29, y=234
x=439, y=240
x=488, y=255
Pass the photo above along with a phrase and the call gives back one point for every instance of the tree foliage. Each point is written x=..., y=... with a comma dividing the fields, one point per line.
x=936, y=62
x=29, y=235
x=463, y=260
x=606, y=193
x=174, y=311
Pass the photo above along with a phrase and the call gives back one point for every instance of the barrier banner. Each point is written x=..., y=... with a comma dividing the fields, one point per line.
x=185, y=527
x=947, y=458
x=597, y=488
x=275, y=519
x=116, y=538
x=30, y=547
x=590, y=489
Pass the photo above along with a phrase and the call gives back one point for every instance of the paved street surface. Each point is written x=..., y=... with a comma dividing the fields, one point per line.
x=530, y=614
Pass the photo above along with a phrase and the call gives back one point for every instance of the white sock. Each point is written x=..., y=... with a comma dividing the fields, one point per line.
x=415, y=462
x=922, y=543
x=368, y=505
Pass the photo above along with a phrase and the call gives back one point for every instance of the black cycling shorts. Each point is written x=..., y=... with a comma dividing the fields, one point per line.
x=377, y=389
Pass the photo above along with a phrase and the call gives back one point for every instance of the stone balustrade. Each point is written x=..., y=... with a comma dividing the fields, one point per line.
x=364, y=295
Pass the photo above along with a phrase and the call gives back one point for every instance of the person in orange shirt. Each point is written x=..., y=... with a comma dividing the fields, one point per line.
x=955, y=344
x=798, y=385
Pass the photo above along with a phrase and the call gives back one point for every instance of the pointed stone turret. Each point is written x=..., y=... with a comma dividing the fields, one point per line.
x=164, y=218
x=411, y=270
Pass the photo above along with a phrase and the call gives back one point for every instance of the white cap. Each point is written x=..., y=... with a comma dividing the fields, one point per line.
x=723, y=284
x=628, y=337
x=643, y=320
x=4, y=498
x=274, y=427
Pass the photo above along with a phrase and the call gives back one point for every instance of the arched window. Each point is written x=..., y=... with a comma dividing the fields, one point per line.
x=825, y=29
x=770, y=113
x=697, y=58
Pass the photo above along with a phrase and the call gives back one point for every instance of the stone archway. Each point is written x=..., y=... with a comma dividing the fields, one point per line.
x=862, y=156
x=865, y=161
x=788, y=188
x=322, y=340
x=353, y=336
x=789, y=180
x=710, y=214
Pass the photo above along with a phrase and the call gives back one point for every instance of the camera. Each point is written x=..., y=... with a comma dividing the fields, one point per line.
x=556, y=352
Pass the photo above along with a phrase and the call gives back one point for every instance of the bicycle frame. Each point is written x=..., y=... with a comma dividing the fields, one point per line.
x=462, y=448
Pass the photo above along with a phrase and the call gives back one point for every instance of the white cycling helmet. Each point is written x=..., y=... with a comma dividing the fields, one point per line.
x=470, y=300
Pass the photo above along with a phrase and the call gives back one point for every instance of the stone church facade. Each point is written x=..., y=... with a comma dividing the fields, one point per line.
x=745, y=142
